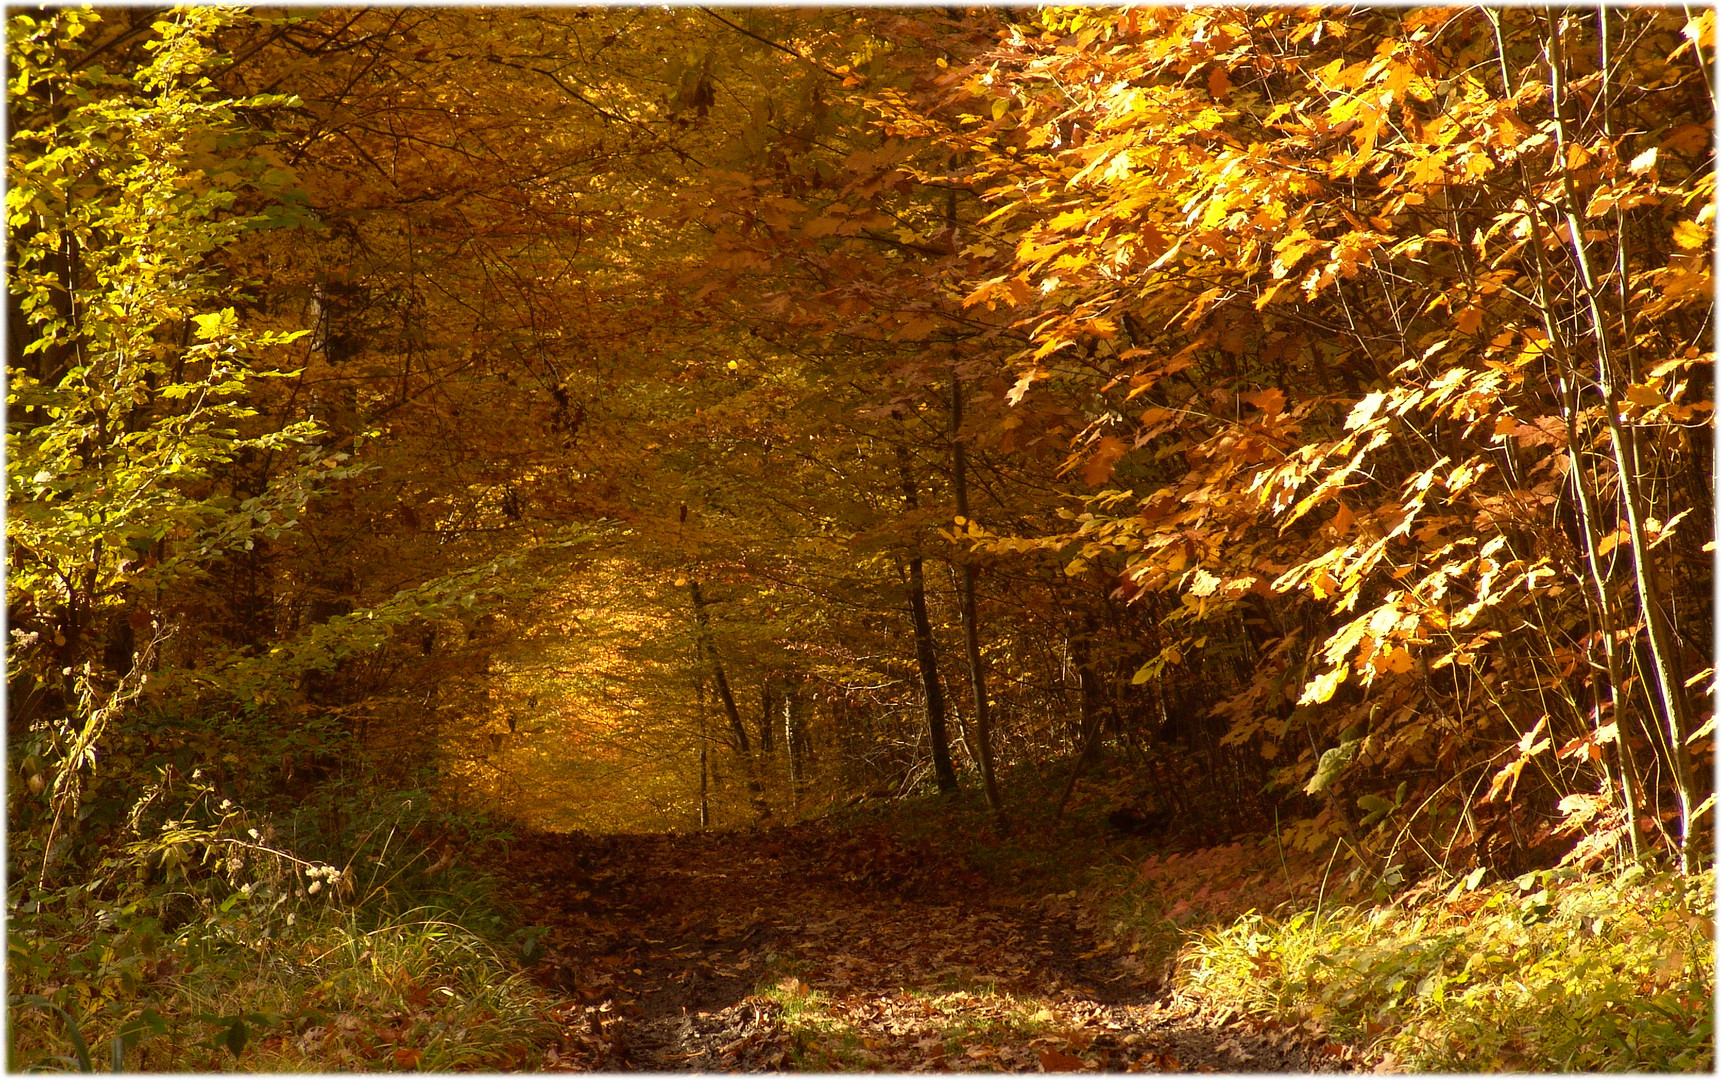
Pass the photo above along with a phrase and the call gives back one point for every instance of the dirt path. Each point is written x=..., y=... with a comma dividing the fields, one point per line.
x=809, y=948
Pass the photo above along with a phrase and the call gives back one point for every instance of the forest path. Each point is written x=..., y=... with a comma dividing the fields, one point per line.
x=810, y=947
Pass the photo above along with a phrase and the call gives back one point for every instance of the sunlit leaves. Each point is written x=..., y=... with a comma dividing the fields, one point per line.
x=1399, y=221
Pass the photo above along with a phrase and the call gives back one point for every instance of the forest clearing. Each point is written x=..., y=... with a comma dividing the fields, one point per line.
x=694, y=539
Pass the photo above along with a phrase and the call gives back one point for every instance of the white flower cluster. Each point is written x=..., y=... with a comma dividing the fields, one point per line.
x=318, y=874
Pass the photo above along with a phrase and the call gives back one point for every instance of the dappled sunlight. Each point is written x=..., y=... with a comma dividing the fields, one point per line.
x=935, y=538
x=841, y=948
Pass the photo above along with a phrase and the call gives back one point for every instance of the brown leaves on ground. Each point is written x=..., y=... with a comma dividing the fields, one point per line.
x=809, y=948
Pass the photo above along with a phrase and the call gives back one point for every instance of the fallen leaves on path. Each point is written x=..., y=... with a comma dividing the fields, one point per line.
x=811, y=948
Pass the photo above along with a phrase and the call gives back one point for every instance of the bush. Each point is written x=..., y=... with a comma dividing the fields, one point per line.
x=207, y=937
x=1551, y=971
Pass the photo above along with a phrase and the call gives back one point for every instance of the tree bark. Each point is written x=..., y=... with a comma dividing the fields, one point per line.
x=924, y=653
x=970, y=618
x=1093, y=719
x=792, y=744
x=736, y=728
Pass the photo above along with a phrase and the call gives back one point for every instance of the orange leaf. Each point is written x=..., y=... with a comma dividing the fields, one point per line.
x=1099, y=467
x=1270, y=401
x=407, y=1057
x=1053, y=1061
x=1506, y=780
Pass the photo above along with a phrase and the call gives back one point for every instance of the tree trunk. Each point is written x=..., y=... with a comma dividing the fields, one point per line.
x=704, y=792
x=736, y=728
x=767, y=716
x=792, y=744
x=1093, y=719
x=970, y=619
x=1669, y=696
x=924, y=653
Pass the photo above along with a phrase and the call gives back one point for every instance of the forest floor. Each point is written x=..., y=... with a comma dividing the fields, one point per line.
x=827, y=945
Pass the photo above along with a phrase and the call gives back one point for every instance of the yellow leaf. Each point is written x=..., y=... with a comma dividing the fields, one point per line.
x=1342, y=519
x=1321, y=688
x=1690, y=235
x=1270, y=401
x=1323, y=585
x=1529, y=745
x=1643, y=162
x=1645, y=396
x=1022, y=384
x=1364, y=410
x=1506, y=780
x=1203, y=583
x=1701, y=30
x=1469, y=319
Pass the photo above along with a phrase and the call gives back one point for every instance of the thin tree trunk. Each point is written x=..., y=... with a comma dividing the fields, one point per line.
x=736, y=727
x=1589, y=521
x=704, y=769
x=1669, y=678
x=924, y=653
x=970, y=619
x=792, y=745
x=767, y=716
x=1093, y=718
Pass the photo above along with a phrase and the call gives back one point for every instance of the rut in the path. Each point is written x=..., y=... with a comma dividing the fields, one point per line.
x=662, y=942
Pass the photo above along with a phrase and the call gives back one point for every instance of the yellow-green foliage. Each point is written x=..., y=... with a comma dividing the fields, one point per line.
x=323, y=994
x=1554, y=970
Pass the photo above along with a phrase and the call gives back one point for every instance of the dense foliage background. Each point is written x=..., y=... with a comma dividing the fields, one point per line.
x=652, y=418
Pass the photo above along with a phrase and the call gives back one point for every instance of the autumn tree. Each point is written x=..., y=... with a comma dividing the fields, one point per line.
x=131, y=380
x=1400, y=269
x=1309, y=405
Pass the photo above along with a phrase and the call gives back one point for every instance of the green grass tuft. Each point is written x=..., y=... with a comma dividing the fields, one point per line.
x=1551, y=971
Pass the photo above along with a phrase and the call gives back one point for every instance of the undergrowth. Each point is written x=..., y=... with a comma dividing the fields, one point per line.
x=194, y=935
x=1554, y=970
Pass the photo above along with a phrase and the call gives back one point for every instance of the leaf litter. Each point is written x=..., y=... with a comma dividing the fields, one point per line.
x=812, y=948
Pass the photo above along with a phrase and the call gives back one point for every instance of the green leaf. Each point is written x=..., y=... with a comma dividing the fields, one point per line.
x=1376, y=807
x=73, y=1032
x=1333, y=763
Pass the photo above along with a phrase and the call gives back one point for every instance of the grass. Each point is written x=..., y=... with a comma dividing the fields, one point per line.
x=951, y=1024
x=416, y=991
x=1551, y=971
x=1556, y=970
x=209, y=945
